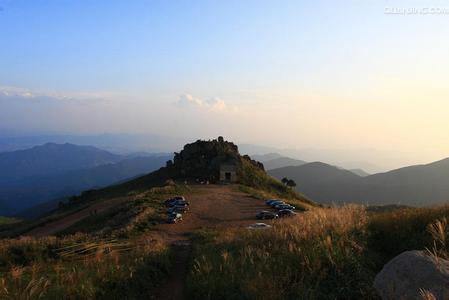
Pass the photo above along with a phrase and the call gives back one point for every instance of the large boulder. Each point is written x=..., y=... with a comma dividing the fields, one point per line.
x=410, y=274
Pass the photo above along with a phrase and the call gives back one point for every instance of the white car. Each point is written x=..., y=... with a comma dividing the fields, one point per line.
x=259, y=226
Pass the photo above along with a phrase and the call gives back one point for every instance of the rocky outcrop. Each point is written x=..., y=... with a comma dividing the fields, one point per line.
x=202, y=159
x=411, y=274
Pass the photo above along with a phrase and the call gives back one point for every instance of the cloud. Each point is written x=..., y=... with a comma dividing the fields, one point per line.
x=23, y=94
x=213, y=104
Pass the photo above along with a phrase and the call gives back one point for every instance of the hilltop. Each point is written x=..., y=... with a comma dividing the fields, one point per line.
x=201, y=161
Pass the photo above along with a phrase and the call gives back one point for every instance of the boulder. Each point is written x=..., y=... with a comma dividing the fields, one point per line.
x=412, y=273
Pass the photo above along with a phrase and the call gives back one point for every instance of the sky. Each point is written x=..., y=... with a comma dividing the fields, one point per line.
x=367, y=78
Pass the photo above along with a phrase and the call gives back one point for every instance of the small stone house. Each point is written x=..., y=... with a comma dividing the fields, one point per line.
x=228, y=173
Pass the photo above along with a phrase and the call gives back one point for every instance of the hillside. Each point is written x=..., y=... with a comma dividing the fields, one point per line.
x=51, y=159
x=22, y=196
x=53, y=171
x=415, y=185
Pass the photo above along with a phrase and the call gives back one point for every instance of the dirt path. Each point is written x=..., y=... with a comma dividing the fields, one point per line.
x=65, y=222
x=173, y=289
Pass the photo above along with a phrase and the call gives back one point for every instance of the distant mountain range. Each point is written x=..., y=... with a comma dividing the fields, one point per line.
x=418, y=185
x=275, y=160
x=51, y=159
x=53, y=171
x=117, y=143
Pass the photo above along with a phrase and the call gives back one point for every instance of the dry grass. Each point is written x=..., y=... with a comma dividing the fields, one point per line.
x=75, y=267
x=317, y=255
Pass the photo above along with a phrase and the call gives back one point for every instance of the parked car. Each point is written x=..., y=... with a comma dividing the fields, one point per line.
x=275, y=203
x=178, y=200
x=259, y=226
x=174, y=217
x=179, y=203
x=286, y=213
x=285, y=206
x=268, y=202
x=170, y=201
x=264, y=215
x=178, y=209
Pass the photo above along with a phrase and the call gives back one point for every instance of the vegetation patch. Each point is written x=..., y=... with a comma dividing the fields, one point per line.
x=317, y=255
x=79, y=267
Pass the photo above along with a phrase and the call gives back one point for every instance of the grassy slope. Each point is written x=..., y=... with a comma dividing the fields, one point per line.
x=331, y=253
x=7, y=220
x=108, y=261
x=257, y=183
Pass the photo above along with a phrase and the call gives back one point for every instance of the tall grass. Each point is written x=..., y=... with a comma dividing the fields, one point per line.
x=80, y=267
x=318, y=255
x=391, y=233
x=104, y=256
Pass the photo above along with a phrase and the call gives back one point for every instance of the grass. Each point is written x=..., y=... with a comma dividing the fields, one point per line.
x=392, y=233
x=7, y=220
x=257, y=183
x=317, y=255
x=140, y=212
x=79, y=267
x=325, y=253
x=104, y=256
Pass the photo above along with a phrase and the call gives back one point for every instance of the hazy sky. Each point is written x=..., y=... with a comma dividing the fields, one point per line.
x=344, y=75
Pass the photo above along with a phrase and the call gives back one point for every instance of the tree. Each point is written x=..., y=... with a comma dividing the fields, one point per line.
x=291, y=183
x=284, y=180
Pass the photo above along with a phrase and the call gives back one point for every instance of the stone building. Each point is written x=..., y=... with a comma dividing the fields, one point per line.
x=228, y=173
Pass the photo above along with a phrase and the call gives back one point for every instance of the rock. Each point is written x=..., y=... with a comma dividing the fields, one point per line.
x=410, y=274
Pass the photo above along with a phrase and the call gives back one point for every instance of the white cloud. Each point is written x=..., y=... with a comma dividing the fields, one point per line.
x=213, y=104
x=18, y=93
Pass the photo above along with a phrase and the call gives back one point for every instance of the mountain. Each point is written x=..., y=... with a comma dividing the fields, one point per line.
x=53, y=171
x=360, y=172
x=52, y=159
x=275, y=160
x=419, y=185
x=265, y=157
x=41, y=189
x=115, y=142
x=282, y=162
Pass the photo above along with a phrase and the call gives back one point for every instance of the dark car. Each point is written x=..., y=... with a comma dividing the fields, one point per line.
x=170, y=201
x=285, y=206
x=264, y=215
x=178, y=200
x=178, y=209
x=286, y=213
x=179, y=203
x=275, y=203
x=174, y=217
x=268, y=202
